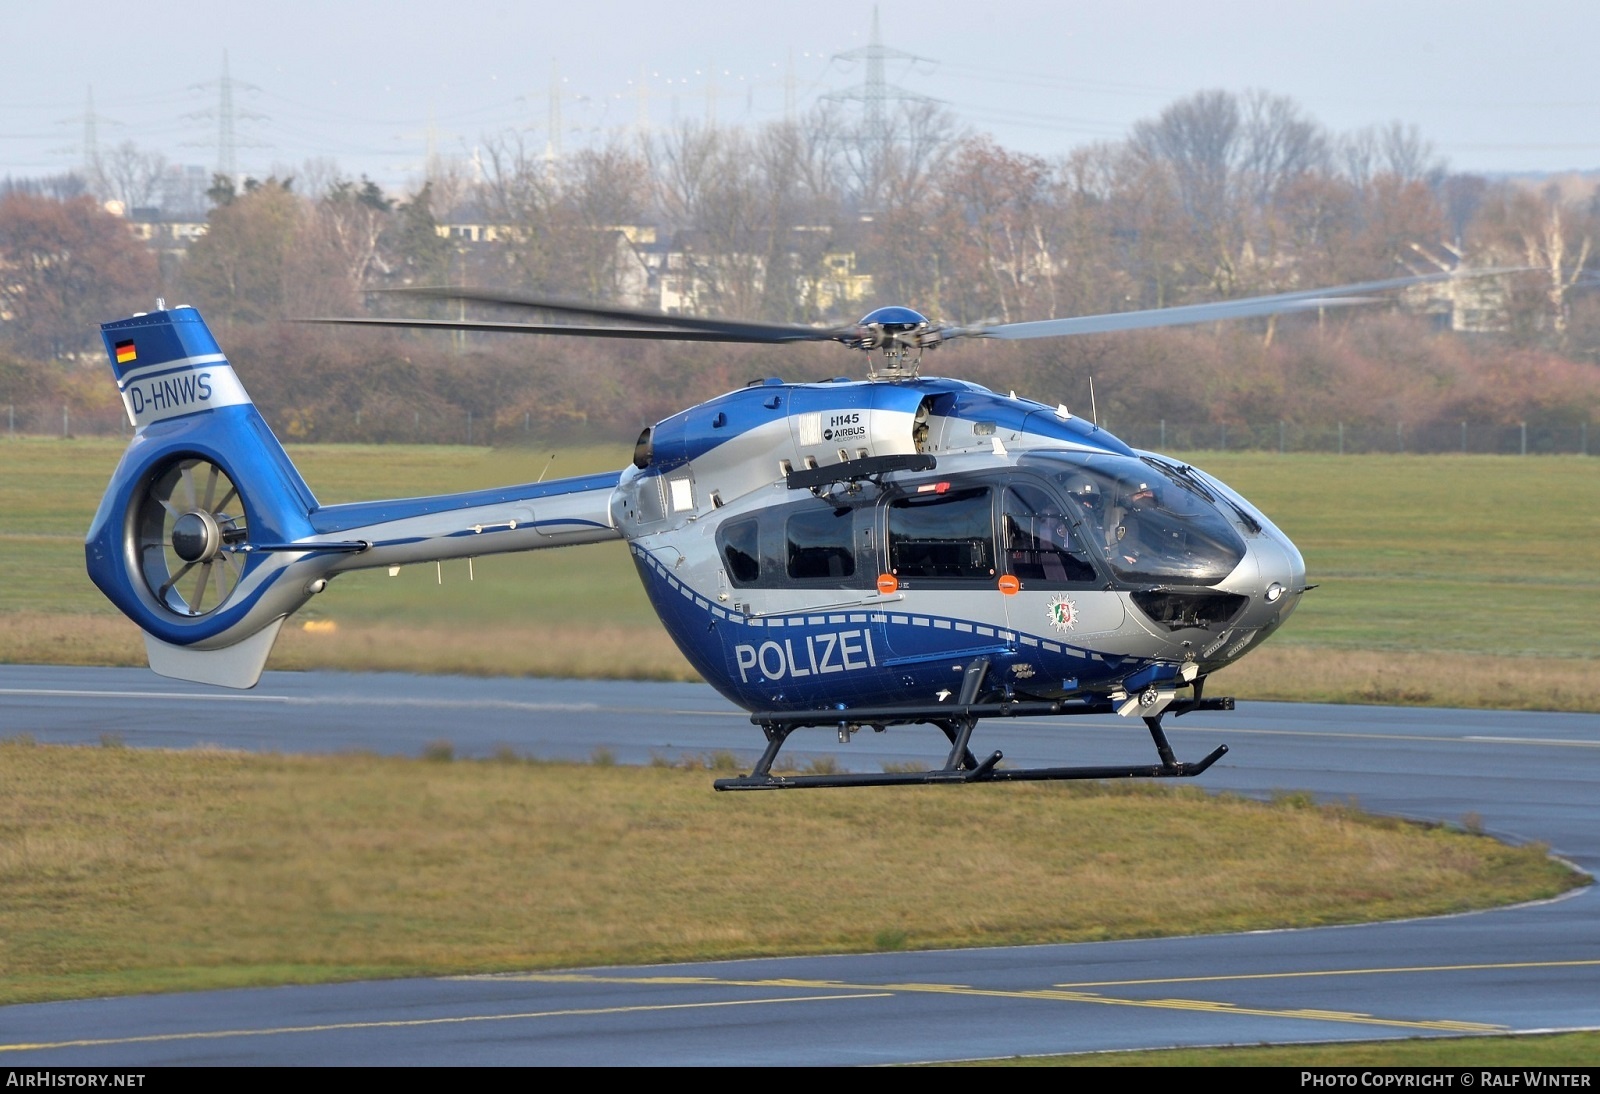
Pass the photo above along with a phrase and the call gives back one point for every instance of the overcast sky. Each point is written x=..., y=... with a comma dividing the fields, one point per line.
x=1495, y=86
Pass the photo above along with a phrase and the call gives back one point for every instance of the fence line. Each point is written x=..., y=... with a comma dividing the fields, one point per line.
x=451, y=425
x=1473, y=438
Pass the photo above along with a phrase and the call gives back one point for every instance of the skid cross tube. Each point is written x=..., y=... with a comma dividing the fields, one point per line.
x=957, y=721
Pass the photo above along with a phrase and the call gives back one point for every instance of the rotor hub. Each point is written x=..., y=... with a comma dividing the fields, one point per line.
x=196, y=536
x=900, y=335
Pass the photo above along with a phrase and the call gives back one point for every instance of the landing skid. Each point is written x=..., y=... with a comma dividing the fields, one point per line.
x=957, y=721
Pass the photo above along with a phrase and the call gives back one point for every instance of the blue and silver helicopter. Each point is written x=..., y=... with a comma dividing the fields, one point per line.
x=883, y=552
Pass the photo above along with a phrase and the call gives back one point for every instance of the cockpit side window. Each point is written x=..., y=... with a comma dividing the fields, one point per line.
x=943, y=535
x=1041, y=543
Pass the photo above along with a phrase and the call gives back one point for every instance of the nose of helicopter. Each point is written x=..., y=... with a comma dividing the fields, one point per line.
x=1273, y=575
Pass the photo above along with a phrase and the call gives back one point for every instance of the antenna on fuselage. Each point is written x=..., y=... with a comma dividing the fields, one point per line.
x=1094, y=411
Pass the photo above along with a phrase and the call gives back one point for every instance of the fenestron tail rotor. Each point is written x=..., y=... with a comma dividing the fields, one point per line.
x=187, y=523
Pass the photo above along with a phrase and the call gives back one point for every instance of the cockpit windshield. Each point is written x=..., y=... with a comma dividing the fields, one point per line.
x=1150, y=523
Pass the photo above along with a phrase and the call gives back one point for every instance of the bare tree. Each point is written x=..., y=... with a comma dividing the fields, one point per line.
x=1408, y=155
x=815, y=157
x=604, y=191
x=521, y=193
x=1278, y=144
x=905, y=248
x=1395, y=149
x=68, y=265
x=128, y=175
x=1552, y=237
x=349, y=220
x=62, y=187
x=1197, y=140
x=1081, y=233
x=925, y=136
x=450, y=182
x=682, y=164
x=708, y=188
x=796, y=242
x=993, y=202
x=800, y=174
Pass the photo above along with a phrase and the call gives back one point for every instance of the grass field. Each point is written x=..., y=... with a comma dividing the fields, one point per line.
x=1448, y=580
x=130, y=870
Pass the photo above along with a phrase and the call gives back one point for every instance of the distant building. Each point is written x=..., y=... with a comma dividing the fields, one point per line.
x=1466, y=305
x=165, y=232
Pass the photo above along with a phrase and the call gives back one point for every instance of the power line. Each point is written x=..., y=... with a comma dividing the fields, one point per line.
x=875, y=91
x=227, y=116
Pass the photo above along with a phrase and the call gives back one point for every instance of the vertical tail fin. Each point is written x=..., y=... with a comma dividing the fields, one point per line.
x=167, y=365
x=203, y=483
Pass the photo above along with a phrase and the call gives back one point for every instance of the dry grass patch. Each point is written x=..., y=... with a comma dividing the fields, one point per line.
x=587, y=650
x=128, y=870
x=600, y=651
x=1319, y=675
x=1277, y=671
x=46, y=638
x=1566, y=1050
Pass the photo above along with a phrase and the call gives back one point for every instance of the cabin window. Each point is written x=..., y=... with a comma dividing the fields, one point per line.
x=1041, y=543
x=948, y=535
x=820, y=544
x=741, y=551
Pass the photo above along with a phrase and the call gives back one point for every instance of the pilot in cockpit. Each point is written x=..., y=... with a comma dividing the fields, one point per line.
x=1124, y=526
x=1087, y=493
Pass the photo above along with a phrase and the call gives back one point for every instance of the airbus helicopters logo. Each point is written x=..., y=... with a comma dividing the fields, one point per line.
x=842, y=427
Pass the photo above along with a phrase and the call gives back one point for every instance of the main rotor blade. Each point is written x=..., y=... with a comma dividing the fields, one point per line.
x=683, y=328
x=1247, y=308
x=671, y=334
x=740, y=330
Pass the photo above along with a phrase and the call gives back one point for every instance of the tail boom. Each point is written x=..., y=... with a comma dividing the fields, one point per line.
x=208, y=538
x=559, y=513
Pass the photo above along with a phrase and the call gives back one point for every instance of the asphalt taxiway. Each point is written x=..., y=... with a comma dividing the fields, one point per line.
x=1523, y=777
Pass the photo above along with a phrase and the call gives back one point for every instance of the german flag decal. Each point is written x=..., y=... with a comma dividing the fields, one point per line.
x=126, y=353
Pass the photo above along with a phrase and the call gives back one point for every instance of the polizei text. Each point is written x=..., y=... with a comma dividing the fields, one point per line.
x=814, y=655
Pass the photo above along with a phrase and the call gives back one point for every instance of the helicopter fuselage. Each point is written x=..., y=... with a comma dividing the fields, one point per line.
x=1074, y=564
